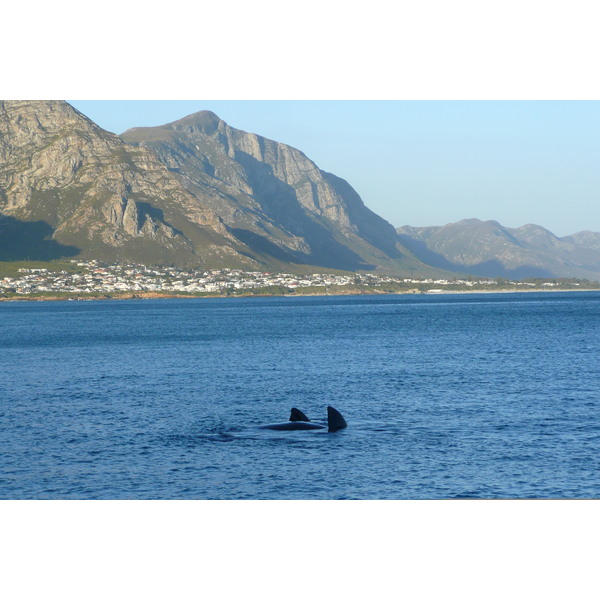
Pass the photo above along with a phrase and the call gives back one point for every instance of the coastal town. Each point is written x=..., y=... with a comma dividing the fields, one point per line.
x=95, y=279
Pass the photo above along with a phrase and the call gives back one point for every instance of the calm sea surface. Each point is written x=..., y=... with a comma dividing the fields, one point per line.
x=446, y=396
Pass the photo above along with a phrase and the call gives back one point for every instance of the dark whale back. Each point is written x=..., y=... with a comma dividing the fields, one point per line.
x=293, y=426
x=299, y=421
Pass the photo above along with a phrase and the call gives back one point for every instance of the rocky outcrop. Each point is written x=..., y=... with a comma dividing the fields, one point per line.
x=97, y=193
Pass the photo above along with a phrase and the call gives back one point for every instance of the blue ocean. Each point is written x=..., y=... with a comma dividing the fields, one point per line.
x=446, y=396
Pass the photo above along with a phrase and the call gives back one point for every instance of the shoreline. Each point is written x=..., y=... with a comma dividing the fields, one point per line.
x=159, y=296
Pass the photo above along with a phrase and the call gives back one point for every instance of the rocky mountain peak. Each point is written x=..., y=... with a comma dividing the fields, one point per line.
x=38, y=118
x=538, y=231
x=589, y=239
x=204, y=121
x=96, y=195
x=191, y=192
x=272, y=195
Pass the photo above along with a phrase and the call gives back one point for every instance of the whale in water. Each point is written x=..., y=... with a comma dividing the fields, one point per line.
x=299, y=421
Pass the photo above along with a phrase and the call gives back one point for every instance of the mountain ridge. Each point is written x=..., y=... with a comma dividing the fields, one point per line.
x=188, y=192
x=264, y=188
x=487, y=248
x=94, y=191
x=197, y=191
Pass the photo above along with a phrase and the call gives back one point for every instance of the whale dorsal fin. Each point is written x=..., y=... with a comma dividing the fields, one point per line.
x=335, y=420
x=298, y=415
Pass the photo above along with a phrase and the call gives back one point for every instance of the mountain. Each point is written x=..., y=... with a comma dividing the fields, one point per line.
x=67, y=188
x=193, y=192
x=486, y=248
x=273, y=198
x=198, y=192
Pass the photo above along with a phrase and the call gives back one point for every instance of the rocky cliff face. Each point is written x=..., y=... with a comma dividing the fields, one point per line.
x=96, y=195
x=272, y=197
x=489, y=249
x=195, y=191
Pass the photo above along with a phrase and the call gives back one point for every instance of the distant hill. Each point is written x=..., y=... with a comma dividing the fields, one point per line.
x=486, y=248
x=193, y=192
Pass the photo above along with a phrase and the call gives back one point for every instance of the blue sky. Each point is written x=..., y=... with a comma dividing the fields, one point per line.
x=425, y=162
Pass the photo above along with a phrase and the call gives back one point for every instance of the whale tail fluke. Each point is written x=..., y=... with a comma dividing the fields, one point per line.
x=335, y=420
x=298, y=415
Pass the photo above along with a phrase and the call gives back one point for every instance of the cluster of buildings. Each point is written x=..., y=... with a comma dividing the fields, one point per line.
x=92, y=277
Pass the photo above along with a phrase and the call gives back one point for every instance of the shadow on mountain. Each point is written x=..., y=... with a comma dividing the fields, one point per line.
x=279, y=201
x=30, y=240
x=265, y=247
x=371, y=227
x=490, y=268
x=261, y=245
